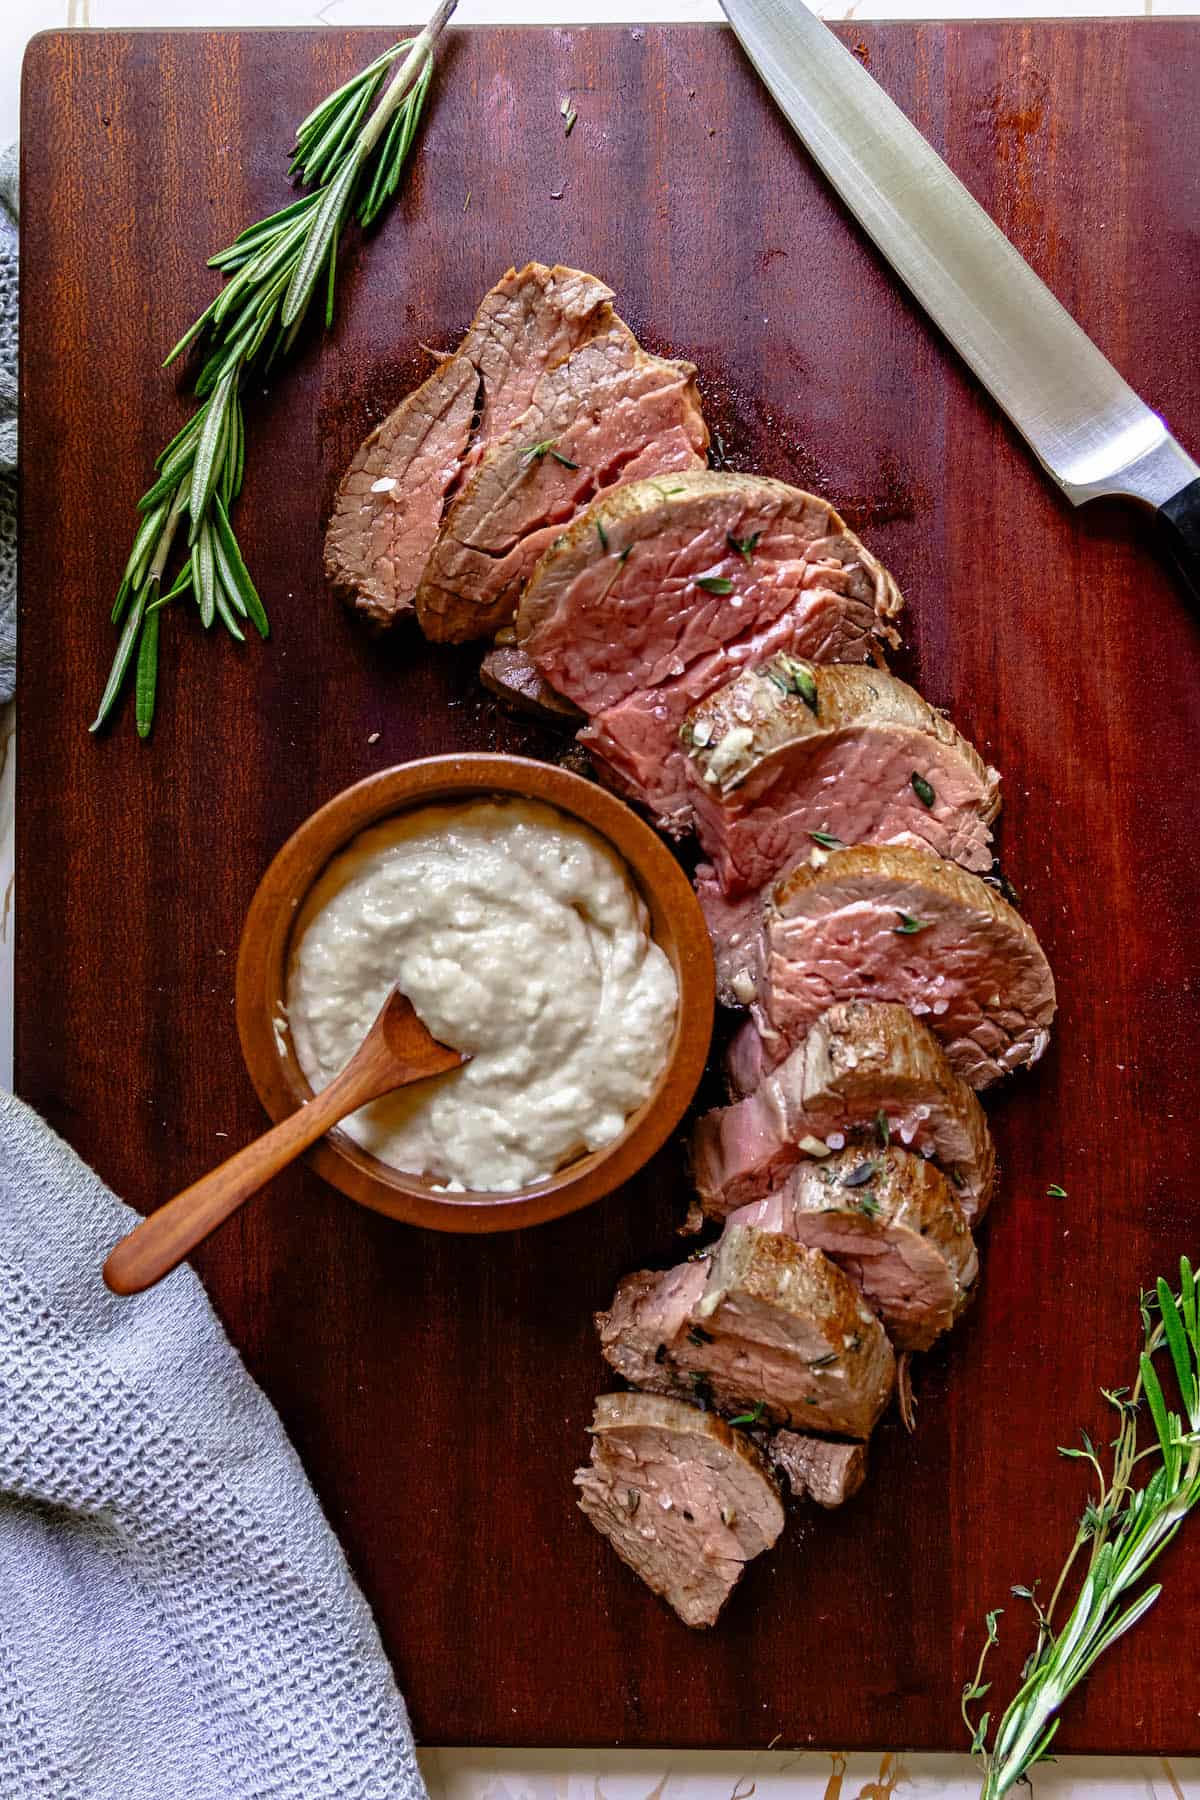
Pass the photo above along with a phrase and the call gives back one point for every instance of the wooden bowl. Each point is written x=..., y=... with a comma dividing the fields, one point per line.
x=676, y=921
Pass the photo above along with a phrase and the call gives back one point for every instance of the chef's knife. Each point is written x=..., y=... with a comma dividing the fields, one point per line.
x=1086, y=426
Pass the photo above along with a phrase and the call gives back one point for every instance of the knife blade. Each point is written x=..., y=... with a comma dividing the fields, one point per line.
x=1091, y=433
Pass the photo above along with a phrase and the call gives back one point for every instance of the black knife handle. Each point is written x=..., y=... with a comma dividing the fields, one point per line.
x=1180, y=518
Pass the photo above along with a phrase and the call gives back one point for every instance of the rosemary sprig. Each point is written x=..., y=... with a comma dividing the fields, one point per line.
x=1127, y=1526
x=351, y=158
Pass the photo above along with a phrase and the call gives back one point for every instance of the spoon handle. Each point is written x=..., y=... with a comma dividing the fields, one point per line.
x=153, y=1248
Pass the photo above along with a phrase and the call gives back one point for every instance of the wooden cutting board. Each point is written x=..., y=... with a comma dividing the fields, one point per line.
x=437, y=1388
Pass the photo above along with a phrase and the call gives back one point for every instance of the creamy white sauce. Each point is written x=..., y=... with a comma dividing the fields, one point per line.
x=519, y=937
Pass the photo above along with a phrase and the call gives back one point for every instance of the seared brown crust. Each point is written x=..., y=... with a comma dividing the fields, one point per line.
x=880, y=1050
x=892, y=1222
x=903, y=863
x=621, y=1412
x=765, y=1325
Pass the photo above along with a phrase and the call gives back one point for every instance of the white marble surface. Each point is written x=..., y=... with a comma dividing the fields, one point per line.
x=598, y=1775
x=722, y=1775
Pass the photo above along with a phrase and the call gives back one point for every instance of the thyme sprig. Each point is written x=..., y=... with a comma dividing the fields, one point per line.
x=1127, y=1527
x=751, y=1418
x=350, y=152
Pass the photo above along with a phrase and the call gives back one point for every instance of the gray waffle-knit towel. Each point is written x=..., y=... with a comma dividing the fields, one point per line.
x=177, y=1621
x=8, y=422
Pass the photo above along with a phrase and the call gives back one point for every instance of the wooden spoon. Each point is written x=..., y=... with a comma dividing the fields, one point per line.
x=397, y=1051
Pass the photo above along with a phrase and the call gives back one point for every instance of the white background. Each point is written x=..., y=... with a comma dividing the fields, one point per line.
x=628, y=1775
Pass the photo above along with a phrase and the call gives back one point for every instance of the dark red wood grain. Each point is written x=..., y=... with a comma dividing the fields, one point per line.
x=437, y=1388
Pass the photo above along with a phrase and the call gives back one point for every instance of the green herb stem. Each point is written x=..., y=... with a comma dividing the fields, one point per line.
x=751, y=1418
x=351, y=150
x=1127, y=1527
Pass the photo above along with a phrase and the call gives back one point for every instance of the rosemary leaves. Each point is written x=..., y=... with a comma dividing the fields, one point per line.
x=1125, y=1527
x=350, y=152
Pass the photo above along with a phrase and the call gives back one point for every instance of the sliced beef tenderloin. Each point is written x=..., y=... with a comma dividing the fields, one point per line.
x=818, y=1469
x=735, y=927
x=652, y=1312
x=746, y=1062
x=529, y=321
x=866, y=1072
x=508, y=673
x=607, y=413
x=637, y=741
x=892, y=1222
x=659, y=592
x=892, y=923
x=790, y=755
x=763, y=1326
x=624, y=606
x=682, y=1498
x=390, y=502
